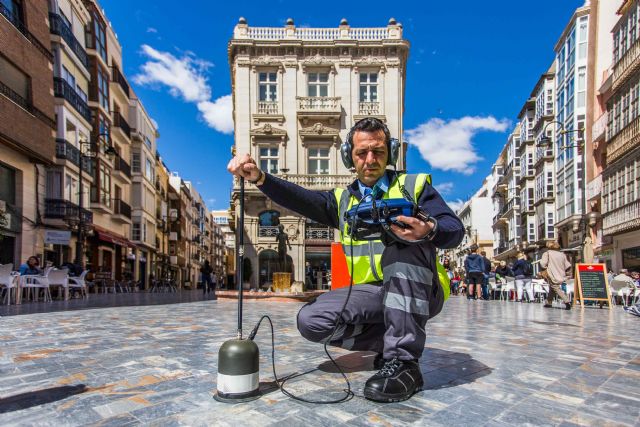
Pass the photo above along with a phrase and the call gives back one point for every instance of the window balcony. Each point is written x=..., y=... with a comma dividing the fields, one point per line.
x=267, y=231
x=599, y=128
x=624, y=141
x=67, y=151
x=19, y=24
x=318, y=107
x=122, y=168
x=622, y=219
x=60, y=28
x=268, y=107
x=101, y=202
x=318, y=236
x=121, y=211
x=626, y=66
x=62, y=89
x=66, y=211
x=120, y=123
x=119, y=80
x=369, y=108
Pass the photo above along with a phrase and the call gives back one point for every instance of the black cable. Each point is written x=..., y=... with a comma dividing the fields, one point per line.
x=348, y=393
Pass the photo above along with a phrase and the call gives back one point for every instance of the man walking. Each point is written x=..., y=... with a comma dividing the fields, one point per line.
x=474, y=268
x=396, y=286
x=556, y=265
x=485, y=279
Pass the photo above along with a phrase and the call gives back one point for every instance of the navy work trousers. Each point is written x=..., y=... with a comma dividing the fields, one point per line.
x=388, y=318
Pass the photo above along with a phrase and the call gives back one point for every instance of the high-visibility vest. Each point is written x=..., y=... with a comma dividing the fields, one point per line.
x=363, y=256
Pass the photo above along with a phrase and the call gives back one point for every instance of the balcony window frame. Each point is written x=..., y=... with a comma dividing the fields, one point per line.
x=368, y=85
x=269, y=162
x=268, y=84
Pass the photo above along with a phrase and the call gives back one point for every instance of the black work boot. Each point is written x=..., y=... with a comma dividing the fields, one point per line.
x=395, y=382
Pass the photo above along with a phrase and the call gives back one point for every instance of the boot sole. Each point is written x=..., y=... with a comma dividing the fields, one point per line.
x=376, y=396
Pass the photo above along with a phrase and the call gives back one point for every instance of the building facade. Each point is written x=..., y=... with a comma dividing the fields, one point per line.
x=27, y=127
x=296, y=93
x=621, y=176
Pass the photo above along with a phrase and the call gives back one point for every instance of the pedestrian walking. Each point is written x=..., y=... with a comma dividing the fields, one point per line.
x=485, y=279
x=205, y=273
x=474, y=267
x=556, y=265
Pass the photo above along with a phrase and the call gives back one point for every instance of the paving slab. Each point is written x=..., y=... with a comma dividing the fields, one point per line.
x=154, y=362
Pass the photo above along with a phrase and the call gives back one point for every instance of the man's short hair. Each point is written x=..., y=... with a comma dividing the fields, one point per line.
x=473, y=248
x=371, y=125
x=483, y=253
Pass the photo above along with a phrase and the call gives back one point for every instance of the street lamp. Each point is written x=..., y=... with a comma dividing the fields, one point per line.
x=85, y=152
x=586, y=219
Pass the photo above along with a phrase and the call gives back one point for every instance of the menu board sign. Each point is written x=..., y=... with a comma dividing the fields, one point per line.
x=591, y=283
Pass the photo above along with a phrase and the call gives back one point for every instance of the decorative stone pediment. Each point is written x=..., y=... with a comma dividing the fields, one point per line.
x=319, y=130
x=268, y=131
x=318, y=61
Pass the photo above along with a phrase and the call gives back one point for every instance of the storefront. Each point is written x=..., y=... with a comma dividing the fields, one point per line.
x=110, y=252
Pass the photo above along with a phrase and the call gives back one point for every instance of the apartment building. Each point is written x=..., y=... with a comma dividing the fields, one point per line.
x=221, y=219
x=571, y=108
x=507, y=233
x=27, y=127
x=296, y=93
x=621, y=175
x=67, y=21
x=525, y=181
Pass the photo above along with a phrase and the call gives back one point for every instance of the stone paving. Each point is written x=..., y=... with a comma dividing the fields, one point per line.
x=485, y=363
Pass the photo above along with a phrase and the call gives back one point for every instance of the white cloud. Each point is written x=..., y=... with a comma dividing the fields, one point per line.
x=151, y=30
x=444, y=188
x=185, y=77
x=447, y=145
x=455, y=205
x=218, y=114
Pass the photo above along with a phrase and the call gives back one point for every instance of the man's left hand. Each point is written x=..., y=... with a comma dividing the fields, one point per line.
x=416, y=230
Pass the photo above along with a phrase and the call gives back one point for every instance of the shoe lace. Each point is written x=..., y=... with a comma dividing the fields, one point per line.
x=390, y=367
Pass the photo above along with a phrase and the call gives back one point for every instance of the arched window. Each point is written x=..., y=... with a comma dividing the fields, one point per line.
x=269, y=219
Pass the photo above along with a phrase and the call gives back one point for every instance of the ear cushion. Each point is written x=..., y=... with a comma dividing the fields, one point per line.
x=394, y=151
x=345, y=154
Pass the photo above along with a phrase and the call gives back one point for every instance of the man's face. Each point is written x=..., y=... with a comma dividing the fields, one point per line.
x=369, y=156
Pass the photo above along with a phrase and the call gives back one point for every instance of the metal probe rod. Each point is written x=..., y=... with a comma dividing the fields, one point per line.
x=240, y=259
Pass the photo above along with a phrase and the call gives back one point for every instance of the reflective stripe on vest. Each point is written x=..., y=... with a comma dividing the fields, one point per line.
x=363, y=257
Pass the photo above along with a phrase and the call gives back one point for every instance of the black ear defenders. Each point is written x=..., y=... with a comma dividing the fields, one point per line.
x=346, y=148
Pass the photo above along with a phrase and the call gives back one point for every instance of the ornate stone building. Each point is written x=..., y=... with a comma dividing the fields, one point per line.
x=296, y=93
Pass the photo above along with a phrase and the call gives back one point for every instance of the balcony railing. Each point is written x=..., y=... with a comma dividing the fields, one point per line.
x=502, y=247
x=624, y=218
x=120, y=207
x=60, y=28
x=369, y=108
x=623, y=141
x=121, y=165
x=26, y=104
x=120, y=122
x=318, y=104
x=62, y=89
x=316, y=182
x=66, y=210
x=316, y=233
x=17, y=22
x=319, y=34
x=626, y=65
x=117, y=77
x=268, y=107
x=599, y=128
x=267, y=231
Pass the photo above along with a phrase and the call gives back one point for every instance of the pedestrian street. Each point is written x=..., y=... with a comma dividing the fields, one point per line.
x=486, y=363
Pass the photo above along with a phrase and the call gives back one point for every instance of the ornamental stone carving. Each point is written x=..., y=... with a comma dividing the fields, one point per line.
x=268, y=131
x=319, y=130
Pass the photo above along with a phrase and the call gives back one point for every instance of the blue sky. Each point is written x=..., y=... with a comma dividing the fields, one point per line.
x=471, y=67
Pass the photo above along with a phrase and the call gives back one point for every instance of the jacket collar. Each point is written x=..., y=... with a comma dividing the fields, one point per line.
x=354, y=188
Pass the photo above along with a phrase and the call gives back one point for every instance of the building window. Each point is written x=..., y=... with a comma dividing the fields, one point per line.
x=135, y=231
x=103, y=89
x=13, y=11
x=105, y=185
x=269, y=219
x=550, y=228
x=97, y=36
x=269, y=159
x=318, y=161
x=268, y=86
x=7, y=184
x=14, y=83
x=368, y=87
x=54, y=184
x=148, y=170
x=102, y=135
x=136, y=163
x=582, y=86
x=318, y=84
x=71, y=189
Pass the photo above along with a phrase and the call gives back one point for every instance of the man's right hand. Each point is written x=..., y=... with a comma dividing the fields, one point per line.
x=244, y=166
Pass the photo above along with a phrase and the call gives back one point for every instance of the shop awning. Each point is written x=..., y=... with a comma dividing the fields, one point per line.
x=110, y=237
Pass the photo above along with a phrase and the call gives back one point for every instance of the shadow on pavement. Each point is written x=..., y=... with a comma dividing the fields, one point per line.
x=39, y=397
x=440, y=368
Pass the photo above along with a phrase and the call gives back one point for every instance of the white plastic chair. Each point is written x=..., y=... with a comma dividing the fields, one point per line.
x=79, y=283
x=570, y=288
x=7, y=281
x=622, y=289
x=539, y=289
x=493, y=286
x=508, y=287
x=60, y=278
x=36, y=281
